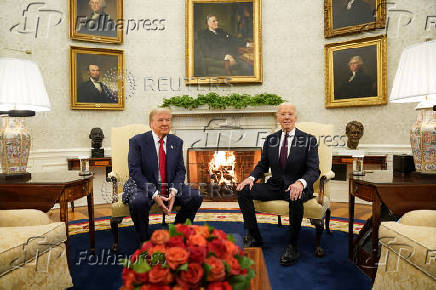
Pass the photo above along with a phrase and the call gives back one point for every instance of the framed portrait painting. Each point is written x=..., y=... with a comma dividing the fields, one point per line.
x=355, y=73
x=223, y=41
x=350, y=16
x=96, y=20
x=96, y=78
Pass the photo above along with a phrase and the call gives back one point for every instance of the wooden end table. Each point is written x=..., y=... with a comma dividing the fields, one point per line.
x=399, y=193
x=43, y=190
x=261, y=280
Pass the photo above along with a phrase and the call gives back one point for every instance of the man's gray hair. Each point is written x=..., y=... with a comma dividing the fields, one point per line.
x=357, y=58
x=157, y=111
x=208, y=17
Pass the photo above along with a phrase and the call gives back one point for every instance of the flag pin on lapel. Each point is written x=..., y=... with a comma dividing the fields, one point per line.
x=172, y=147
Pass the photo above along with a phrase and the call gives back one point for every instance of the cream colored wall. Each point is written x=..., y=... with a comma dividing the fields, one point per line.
x=293, y=66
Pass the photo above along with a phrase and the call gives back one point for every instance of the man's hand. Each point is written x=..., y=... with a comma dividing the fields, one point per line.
x=246, y=181
x=159, y=199
x=295, y=190
x=171, y=200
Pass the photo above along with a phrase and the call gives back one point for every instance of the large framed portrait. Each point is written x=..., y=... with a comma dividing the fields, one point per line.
x=355, y=73
x=96, y=78
x=223, y=41
x=96, y=20
x=350, y=16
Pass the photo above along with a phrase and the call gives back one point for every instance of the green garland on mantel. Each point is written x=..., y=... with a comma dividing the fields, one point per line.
x=217, y=102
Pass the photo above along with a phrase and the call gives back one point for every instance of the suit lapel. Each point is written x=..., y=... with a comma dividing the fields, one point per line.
x=293, y=149
x=154, y=157
x=274, y=145
x=169, y=155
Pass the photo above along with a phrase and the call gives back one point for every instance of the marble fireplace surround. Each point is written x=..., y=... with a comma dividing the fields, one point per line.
x=230, y=128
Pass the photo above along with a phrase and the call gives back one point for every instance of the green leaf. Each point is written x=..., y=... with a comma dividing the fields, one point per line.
x=244, y=262
x=227, y=267
x=157, y=258
x=188, y=222
x=231, y=238
x=172, y=230
x=206, y=268
x=141, y=266
x=183, y=267
x=239, y=282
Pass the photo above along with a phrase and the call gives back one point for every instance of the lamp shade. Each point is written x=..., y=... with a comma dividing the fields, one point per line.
x=415, y=80
x=22, y=86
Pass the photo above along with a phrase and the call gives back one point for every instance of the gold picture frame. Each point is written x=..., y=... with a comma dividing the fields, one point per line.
x=96, y=78
x=94, y=22
x=355, y=73
x=345, y=16
x=229, y=53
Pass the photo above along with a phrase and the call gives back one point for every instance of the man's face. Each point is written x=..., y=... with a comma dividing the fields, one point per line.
x=354, y=134
x=287, y=116
x=354, y=65
x=161, y=124
x=94, y=72
x=213, y=23
x=94, y=5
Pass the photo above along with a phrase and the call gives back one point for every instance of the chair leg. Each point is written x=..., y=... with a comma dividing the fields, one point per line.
x=163, y=219
x=115, y=221
x=279, y=220
x=72, y=206
x=319, y=225
x=327, y=221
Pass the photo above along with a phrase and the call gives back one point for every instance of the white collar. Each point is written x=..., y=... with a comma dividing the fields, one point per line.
x=156, y=138
x=290, y=134
x=350, y=3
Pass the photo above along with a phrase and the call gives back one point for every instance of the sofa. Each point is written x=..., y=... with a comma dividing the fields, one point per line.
x=408, y=252
x=32, y=251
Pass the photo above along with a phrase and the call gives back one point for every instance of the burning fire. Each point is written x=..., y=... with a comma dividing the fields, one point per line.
x=222, y=168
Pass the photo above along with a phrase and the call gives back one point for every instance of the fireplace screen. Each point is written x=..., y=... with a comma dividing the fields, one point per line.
x=216, y=173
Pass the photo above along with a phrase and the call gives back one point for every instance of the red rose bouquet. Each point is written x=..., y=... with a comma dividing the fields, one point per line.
x=188, y=257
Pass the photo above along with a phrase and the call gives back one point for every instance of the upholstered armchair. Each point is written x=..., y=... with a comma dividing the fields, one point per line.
x=317, y=209
x=408, y=252
x=32, y=251
x=120, y=174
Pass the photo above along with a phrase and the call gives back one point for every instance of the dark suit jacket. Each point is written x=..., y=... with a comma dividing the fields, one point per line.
x=360, y=86
x=143, y=163
x=218, y=45
x=88, y=93
x=302, y=161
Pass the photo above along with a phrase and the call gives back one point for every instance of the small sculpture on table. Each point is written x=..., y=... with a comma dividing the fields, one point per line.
x=354, y=132
x=96, y=135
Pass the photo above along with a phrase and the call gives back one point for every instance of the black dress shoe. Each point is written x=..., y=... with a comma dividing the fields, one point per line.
x=289, y=256
x=250, y=241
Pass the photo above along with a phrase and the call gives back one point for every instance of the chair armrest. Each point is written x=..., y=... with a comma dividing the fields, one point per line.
x=23, y=217
x=322, y=181
x=112, y=177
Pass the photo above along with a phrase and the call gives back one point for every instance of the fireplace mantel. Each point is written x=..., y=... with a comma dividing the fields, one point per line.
x=204, y=110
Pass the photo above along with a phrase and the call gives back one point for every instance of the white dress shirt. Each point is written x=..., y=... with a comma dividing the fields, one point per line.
x=290, y=139
x=157, y=145
x=96, y=84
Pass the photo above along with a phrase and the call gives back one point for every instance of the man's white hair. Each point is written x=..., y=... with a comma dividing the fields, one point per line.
x=157, y=111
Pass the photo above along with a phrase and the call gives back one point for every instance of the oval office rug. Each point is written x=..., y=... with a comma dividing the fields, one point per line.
x=333, y=271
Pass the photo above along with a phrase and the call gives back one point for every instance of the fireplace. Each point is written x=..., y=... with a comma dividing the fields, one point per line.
x=216, y=173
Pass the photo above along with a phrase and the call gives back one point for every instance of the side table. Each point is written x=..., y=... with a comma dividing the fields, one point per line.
x=43, y=190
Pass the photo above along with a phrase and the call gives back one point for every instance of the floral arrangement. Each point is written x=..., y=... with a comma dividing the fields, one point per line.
x=188, y=257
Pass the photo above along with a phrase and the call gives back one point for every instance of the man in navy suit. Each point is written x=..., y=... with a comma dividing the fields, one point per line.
x=292, y=156
x=156, y=165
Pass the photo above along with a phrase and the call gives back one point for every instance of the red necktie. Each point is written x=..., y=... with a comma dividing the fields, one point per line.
x=284, y=151
x=162, y=168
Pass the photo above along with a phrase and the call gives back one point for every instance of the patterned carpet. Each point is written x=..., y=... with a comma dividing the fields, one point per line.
x=211, y=215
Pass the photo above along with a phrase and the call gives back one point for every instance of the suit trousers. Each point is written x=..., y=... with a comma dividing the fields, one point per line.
x=267, y=192
x=188, y=199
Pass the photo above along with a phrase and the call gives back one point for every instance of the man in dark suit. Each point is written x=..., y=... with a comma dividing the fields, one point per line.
x=351, y=12
x=156, y=165
x=292, y=156
x=357, y=84
x=94, y=91
x=218, y=45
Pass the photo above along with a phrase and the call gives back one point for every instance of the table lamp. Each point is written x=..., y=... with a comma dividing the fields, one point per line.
x=22, y=93
x=415, y=81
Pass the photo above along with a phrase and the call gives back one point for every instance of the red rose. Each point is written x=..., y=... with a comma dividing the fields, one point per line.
x=197, y=254
x=147, y=245
x=197, y=240
x=217, y=271
x=231, y=248
x=194, y=273
x=201, y=230
x=217, y=247
x=141, y=277
x=128, y=277
x=219, y=286
x=158, y=248
x=160, y=287
x=176, y=256
x=219, y=234
x=179, y=287
x=135, y=255
x=176, y=241
x=235, y=268
x=160, y=275
x=185, y=230
x=160, y=237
